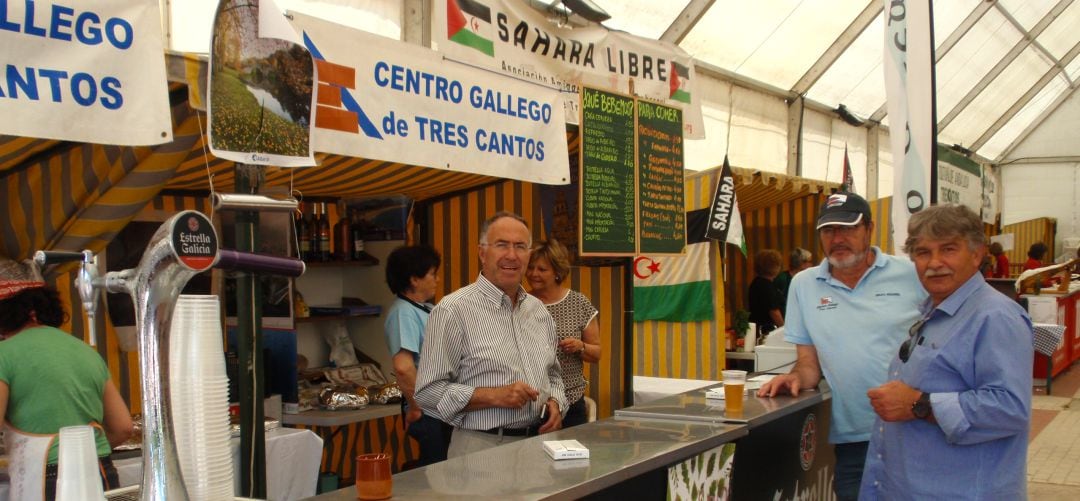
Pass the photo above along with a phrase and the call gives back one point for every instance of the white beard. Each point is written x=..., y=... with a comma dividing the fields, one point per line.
x=848, y=262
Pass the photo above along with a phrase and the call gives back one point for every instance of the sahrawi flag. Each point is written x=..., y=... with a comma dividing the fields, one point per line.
x=725, y=222
x=468, y=23
x=680, y=82
x=676, y=288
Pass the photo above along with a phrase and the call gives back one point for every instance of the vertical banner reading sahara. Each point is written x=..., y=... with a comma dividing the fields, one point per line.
x=385, y=99
x=909, y=86
x=661, y=210
x=261, y=88
x=607, y=204
x=510, y=37
x=90, y=72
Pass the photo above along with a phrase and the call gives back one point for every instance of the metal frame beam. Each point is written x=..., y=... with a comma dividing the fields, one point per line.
x=416, y=22
x=954, y=37
x=687, y=19
x=1035, y=124
x=1050, y=74
x=1028, y=38
x=838, y=47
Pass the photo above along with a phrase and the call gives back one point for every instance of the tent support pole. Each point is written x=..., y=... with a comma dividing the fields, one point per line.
x=249, y=344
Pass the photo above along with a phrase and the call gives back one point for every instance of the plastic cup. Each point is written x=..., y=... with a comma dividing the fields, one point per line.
x=734, y=387
x=77, y=476
x=373, y=479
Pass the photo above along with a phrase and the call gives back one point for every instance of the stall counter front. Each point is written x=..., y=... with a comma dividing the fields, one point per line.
x=785, y=455
x=1060, y=309
x=620, y=450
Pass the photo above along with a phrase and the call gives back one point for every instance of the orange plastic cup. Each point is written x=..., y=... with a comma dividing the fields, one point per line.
x=373, y=480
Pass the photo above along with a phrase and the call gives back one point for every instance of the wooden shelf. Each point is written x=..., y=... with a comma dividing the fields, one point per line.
x=322, y=318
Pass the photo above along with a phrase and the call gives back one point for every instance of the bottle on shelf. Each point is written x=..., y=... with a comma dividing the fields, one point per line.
x=324, y=234
x=343, y=235
x=359, y=228
x=306, y=239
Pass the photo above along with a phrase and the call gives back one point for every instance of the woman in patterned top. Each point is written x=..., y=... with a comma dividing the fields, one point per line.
x=575, y=322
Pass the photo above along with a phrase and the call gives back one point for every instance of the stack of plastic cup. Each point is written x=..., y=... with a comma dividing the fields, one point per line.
x=199, y=389
x=77, y=474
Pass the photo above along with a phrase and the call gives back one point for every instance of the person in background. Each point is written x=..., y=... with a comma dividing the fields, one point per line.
x=798, y=260
x=1036, y=253
x=575, y=321
x=1001, y=261
x=50, y=379
x=852, y=311
x=765, y=300
x=986, y=267
x=411, y=274
x=954, y=417
x=488, y=366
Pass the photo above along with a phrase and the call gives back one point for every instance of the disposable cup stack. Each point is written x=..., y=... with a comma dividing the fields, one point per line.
x=200, y=397
x=77, y=477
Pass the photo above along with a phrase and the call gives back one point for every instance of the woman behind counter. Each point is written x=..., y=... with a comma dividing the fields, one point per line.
x=50, y=379
x=575, y=322
x=412, y=275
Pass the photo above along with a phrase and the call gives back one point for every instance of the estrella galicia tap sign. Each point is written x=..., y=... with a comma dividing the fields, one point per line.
x=194, y=240
x=84, y=71
x=404, y=103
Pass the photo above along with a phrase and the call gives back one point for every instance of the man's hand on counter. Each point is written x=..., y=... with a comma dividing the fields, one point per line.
x=779, y=384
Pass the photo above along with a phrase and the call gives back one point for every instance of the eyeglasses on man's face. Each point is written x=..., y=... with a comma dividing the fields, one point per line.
x=504, y=246
x=915, y=337
x=832, y=230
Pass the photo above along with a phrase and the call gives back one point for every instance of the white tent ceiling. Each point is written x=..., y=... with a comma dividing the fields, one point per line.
x=1003, y=66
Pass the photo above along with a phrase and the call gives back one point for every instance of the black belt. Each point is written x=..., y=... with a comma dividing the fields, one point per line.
x=514, y=432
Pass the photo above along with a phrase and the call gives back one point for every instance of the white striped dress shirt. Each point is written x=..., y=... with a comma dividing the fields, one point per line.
x=475, y=339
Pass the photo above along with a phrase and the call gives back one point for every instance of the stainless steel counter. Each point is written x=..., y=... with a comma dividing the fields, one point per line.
x=620, y=449
x=693, y=406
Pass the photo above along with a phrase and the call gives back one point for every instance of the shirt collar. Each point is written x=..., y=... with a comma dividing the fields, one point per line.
x=495, y=294
x=958, y=297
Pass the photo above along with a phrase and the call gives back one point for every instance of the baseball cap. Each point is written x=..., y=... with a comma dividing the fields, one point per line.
x=844, y=209
x=16, y=277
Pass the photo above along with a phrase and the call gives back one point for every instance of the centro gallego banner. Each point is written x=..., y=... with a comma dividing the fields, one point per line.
x=385, y=99
x=514, y=39
x=84, y=71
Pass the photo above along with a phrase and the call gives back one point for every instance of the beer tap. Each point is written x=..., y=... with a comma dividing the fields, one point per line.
x=88, y=281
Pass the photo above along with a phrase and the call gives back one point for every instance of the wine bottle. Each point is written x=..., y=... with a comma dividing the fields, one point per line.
x=343, y=236
x=324, y=234
x=305, y=234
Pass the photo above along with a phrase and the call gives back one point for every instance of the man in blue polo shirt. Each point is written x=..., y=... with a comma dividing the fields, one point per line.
x=847, y=317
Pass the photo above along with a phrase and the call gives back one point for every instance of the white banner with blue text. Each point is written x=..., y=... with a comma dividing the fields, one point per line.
x=84, y=71
x=390, y=100
x=512, y=38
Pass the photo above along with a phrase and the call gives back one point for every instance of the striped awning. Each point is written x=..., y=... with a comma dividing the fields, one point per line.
x=758, y=189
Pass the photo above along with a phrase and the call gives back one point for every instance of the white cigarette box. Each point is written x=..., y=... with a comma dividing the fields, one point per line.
x=565, y=449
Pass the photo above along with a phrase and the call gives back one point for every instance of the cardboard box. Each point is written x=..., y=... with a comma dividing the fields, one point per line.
x=565, y=449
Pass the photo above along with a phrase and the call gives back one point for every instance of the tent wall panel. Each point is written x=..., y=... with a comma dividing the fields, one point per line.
x=454, y=230
x=341, y=444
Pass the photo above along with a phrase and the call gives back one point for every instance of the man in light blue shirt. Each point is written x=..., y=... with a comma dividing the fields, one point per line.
x=953, y=419
x=847, y=317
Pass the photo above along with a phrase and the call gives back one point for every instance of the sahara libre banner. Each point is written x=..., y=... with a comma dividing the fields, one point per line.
x=403, y=103
x=84, y=71
x=514, y=39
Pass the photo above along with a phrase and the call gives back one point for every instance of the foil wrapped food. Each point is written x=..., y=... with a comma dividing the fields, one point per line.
x=388, y=393
x=342, y=398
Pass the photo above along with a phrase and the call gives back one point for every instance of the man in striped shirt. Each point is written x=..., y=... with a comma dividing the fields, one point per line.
x=488, y=363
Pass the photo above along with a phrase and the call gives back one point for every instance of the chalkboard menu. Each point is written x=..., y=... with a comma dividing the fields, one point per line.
x=662, y=213
x=607, y=207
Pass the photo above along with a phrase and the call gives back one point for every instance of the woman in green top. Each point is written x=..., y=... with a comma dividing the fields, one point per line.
x=48, y=380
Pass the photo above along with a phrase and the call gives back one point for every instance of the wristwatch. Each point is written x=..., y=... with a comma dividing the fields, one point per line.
x=921, y=408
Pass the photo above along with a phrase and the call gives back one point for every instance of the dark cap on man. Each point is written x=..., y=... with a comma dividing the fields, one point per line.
x=843, y=209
